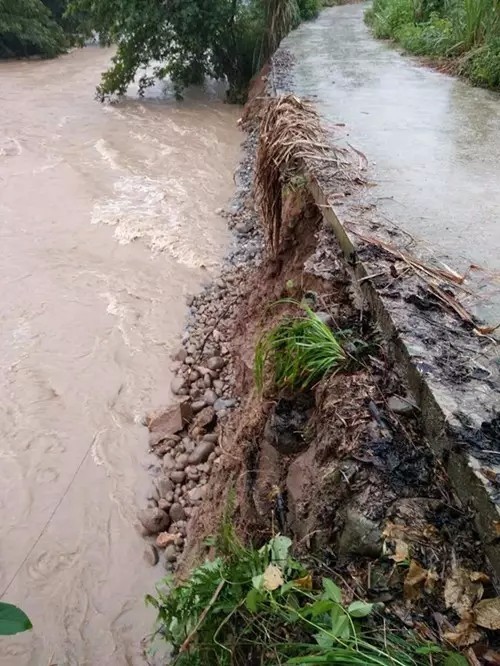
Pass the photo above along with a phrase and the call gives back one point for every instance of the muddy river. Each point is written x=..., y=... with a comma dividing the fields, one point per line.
x=107, y=222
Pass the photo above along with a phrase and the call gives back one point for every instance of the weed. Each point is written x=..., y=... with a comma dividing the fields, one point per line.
x=299, y=350
x=434, y=37
x=483, y=65
x=262, y=607
x=388, y=16
x=468, y=29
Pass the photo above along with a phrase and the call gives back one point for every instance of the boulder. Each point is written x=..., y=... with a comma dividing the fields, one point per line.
x=201, y=452
x=204, y=419
x=171, y=420
x=164, y=485
x=178, y=476
x=197, y=494
x=216, y=363
x=177, y=513
x=401, y=406
x=154, y=520
x=360, y=536
x=151, y=555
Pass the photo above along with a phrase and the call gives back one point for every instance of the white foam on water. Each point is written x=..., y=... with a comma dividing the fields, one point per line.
x=10, y=147
x=156, y=211
x=108, y=154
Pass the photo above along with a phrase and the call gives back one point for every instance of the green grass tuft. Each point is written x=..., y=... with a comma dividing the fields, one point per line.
x=299, y=351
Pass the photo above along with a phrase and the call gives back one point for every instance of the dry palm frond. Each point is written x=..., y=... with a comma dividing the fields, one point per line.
x=434, y=277
x=290, y=134
x=281, y=16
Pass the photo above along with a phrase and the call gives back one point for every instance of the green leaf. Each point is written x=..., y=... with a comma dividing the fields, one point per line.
x=284, y=589
x=341, y=627
x=151, y=601
x=279, y=548
x=324, y=640
x=359, y=609
x=320, y=659
x=252, y=600
x=332, y=591
x=319, y=607
x=257, y=581
x=455, y=659
x=13, y=620
x=429, y=649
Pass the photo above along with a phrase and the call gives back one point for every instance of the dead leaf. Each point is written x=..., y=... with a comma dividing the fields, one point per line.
x=431, y=580
x=401, y=551
x=479, y=577
x=488, y=613
x=393, y=531
x=491, y=657
x=273, y=578
x=465, y=633
x=305, y=582
x=460, y=592
x=496, y=527
x=414, y=580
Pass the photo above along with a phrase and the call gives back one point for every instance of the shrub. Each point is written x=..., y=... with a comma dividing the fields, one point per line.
x=261, y=606
x=309, y=9
x=483, y=65
x=388, y=16
x=473, y=19
x=434, y=37
x=27, y=28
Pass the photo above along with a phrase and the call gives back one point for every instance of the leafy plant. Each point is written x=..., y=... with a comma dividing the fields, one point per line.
x=261, y=606
x=185, y=39
x=434, y=37
x=483, y=65
x=27, y=27
x=12, y=620
x=309, y=9
x=299, y=351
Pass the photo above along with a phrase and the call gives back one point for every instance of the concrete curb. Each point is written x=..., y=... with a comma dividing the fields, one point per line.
x=444, y=402
x=472, y=487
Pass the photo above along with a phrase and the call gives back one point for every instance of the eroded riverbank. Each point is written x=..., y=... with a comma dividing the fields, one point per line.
x=89, y=319
x=348, y=468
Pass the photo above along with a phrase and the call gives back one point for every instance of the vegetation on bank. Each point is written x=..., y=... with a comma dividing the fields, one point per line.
x=465, y=32
x=36, y=28
x=252, y=605
x=189, y=39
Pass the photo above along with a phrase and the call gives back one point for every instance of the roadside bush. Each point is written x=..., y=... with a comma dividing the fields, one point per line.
x=469, y=29
x=474, y=20
x=483, y=65
x=434, y=37
x=387, y=16
x=309, y=9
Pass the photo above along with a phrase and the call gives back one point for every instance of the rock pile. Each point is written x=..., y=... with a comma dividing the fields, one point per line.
x=185, y=436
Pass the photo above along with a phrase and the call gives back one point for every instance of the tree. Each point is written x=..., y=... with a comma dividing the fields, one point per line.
x=27, y=28
x=186, y=39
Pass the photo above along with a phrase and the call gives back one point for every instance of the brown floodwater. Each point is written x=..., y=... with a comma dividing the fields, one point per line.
x=107, y=221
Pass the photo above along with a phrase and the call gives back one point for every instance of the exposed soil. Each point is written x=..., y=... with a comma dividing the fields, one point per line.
x=344, y=468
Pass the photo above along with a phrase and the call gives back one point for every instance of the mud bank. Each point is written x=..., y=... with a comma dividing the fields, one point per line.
x=352, y=468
